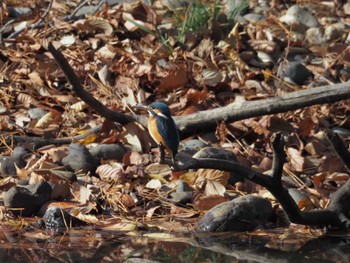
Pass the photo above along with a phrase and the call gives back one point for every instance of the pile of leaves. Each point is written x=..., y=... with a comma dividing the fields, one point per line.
x=193, y=56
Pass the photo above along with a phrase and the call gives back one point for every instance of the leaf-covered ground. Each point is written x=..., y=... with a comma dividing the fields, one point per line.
x=193, y=57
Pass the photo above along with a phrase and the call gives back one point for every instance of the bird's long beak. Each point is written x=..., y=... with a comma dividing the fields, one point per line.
x=140, y=107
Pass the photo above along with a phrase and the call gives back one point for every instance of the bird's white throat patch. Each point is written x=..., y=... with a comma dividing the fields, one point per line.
x=162, y=115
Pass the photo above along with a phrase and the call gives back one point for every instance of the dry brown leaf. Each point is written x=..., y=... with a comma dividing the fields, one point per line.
x=179, y=212
x=194, y=96
x=88, y=218
x=79, y=106
x=133, y=24
x=56, y=153
x=305, y=204
x=63, y=205
x=214, y=188
x=154, y=184
x=221, y=132
x=159, y=169
x=137, y=136
x=255, y=125
x=35, y=78
x=35, y=178
x=338, y=176
x=85, y=194
x=127, y=200
x=276, y=124
x=265, y=164
x=114, y=172
x=296, y=159
x=5, y=186
x=88, y=139
x=205, y=203
x=105, y=52
x=93, y=24
x=331, y=164
x=151, y=211
x=5, y=123
x=60, y=190
x=175, y=79
x=221, y=177
x=175, y=175
x=52, y=117
x=133, y=158
x=26, y=100
x=306, y=126
x=316, y=147
x=264, y=45
x=45, y=120
x=118, y=225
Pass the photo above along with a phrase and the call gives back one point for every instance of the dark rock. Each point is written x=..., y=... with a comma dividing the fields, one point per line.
x=192, y=146
x=297, y=73
x=241, y=214
x=23, y=182
x=299, y=18
x=183, y=193
x=66, y=175
x=8, y=167
x=218, y=153
x=79, y=158
x=15, y=12
x=253, y=18
x=108, y=152
x=29, y=198
x=18, y=155
x=58, y=220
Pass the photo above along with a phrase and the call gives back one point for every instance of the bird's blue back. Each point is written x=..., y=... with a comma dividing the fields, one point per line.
x=168, y=130
x=167, y=127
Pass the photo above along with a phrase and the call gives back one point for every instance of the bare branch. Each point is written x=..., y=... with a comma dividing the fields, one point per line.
x=86, y=96
x=38, y=142
x=334, y=215
x=279, y=155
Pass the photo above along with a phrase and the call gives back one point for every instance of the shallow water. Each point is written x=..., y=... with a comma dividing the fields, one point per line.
x=91, y=245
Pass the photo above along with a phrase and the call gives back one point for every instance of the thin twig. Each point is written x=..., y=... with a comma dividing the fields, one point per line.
x=40, y=23
x=81, y=5
x=98, y=6
x=39, y=141
x=41, y=19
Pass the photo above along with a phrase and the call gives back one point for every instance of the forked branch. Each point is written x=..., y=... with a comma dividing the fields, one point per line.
x=334, y=215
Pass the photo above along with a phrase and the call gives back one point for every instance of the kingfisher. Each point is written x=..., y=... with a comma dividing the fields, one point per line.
x=162, y=128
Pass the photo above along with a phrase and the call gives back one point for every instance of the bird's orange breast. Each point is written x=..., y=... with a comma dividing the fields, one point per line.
x=153, y=131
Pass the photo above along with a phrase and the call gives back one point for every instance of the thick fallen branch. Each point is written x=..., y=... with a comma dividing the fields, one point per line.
x=207, y=120
x=247, y=109
x=334, y=215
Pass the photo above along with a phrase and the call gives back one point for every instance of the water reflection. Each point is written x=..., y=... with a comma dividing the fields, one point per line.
x=89, y=245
